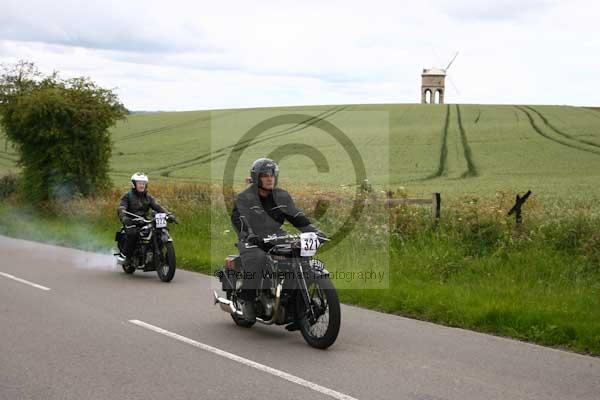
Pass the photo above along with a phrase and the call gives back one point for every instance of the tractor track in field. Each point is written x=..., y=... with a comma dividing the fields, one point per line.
x=443, y=163
x=471, y=168
x=160, y=129
x=166, y=128
x=541, y=133
x=166, y=170
x=559, y=132
x=219, y=153
x=478, y=114
x=202, y=157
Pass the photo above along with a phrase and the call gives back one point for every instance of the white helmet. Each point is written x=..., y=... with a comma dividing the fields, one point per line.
x=139, y=177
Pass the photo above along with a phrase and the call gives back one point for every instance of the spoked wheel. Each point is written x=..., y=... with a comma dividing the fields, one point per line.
x=166, y=267
x=321, y=330
x=238, y=319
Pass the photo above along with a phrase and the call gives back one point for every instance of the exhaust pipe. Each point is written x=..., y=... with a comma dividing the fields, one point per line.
x=120, y=261
x=275, y=308
x=229, y=307
x=226, y=305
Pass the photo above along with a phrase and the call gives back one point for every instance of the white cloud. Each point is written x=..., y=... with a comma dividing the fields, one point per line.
x=498, y=10
x=180, y=55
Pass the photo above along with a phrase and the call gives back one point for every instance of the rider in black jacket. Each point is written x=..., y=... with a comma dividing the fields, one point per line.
x=137, y=201
x=259, y=211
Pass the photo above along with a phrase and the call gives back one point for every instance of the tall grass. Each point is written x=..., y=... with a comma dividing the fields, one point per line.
x=474, y=269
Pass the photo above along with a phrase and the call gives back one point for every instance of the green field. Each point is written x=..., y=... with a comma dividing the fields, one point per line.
x=454, y=149
x=475, y=269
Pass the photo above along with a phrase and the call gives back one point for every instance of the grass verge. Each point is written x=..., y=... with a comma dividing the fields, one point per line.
x=475, y=270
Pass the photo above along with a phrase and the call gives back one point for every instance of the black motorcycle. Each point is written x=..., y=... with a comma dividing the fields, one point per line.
x=295, y=290
x=154, y=251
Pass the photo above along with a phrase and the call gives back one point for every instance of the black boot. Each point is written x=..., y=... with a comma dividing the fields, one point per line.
x=294, y=326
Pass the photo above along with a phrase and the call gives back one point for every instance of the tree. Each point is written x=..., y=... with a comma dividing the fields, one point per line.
x=60, y=128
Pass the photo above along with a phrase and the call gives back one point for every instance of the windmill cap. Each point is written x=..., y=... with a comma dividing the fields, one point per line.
x=433, y=71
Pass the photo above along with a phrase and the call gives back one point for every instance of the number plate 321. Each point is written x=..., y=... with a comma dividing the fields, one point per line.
x=309, y=244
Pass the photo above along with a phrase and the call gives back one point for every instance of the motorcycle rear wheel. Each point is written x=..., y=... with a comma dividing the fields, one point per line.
x=238, y=319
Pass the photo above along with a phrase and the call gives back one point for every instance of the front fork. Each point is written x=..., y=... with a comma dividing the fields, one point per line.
x=160, y=237
x=306, y=295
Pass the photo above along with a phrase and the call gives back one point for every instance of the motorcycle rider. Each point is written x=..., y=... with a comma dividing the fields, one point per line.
x=137, y=201
x=259, y=211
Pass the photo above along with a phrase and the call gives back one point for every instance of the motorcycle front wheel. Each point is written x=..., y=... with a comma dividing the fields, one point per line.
x=323, y=331
x=166, y=269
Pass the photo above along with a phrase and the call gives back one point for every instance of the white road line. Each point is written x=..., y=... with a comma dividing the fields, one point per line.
x=245, y=361
x=35, y=285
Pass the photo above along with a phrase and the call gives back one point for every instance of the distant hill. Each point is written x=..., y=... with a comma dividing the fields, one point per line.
x=454, y=149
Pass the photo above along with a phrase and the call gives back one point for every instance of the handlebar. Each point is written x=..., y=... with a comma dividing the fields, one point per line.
x=147, y=221
x=290, y=238
x=283, y=238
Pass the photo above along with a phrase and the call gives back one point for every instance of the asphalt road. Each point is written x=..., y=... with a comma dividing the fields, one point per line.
x=89, y=331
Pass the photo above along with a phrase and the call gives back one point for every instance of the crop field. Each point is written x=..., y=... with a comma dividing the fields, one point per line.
x=475, y=269
x=458, y=150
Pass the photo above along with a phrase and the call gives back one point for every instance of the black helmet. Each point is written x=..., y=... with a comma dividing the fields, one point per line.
x=263, y=166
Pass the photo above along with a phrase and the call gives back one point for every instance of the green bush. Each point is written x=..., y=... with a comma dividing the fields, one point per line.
x=8, y=185
x=60, y=131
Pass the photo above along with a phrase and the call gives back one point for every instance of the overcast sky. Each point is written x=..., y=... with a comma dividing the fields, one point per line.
x=172, y=55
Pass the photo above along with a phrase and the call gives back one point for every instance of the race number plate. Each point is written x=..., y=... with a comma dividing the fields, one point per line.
x=161, y=220
x=309, y=244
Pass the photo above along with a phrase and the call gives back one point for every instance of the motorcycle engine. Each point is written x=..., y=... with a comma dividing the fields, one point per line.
x=267, y=304
x=145, y=233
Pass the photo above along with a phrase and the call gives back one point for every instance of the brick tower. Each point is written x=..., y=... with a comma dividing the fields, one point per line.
x=433, y=86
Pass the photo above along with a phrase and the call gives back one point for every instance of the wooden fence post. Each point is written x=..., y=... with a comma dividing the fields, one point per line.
x=516, y=209
x=436, y=206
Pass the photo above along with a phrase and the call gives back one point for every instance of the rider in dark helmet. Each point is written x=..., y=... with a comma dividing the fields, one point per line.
x=137, y=201
x=259, y=211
